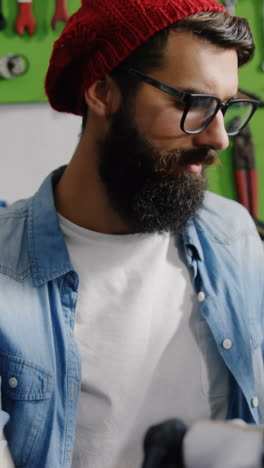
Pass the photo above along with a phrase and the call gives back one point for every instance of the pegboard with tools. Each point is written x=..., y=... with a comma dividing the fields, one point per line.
x=28, y=29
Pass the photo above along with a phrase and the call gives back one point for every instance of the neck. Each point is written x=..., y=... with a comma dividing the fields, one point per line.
x=81, y=197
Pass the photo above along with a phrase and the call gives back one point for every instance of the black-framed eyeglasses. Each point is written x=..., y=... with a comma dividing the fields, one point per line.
x=200, y=109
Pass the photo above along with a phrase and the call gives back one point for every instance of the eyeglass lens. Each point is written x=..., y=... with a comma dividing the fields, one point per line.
x=199, y=113
x=236, y=115
x=203, y=108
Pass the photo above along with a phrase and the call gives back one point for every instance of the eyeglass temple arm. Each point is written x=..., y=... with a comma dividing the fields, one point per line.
x=243, y=93
x=158, y=84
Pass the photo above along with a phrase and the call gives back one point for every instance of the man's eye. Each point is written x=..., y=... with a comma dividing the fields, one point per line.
x=200, y=103
x=203, y=103
x=179, y=104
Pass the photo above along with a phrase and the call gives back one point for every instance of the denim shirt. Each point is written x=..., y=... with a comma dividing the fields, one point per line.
x=40, y=367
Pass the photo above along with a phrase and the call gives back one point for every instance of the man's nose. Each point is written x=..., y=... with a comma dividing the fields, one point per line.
x=214, y=135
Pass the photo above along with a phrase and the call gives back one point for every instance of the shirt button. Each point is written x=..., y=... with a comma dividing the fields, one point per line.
x=190, y=252
x=201, y=296
x=254, y=402
x=227, y=343
x=13, y=382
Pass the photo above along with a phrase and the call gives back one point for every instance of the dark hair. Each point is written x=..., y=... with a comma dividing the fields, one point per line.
x=230, y=32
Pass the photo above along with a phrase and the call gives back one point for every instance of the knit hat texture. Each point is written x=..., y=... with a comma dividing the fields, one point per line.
x=100, y=35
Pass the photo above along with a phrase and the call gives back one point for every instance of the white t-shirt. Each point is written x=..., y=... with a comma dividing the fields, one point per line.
x=5, y=457
x=147, y=354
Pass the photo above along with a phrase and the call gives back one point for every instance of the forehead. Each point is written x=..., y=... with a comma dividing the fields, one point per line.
x=191, y=62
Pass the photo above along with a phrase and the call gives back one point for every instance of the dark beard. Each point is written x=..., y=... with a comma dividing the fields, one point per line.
x=150, y=190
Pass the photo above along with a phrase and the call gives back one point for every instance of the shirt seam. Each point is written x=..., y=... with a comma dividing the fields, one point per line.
x=228, y=239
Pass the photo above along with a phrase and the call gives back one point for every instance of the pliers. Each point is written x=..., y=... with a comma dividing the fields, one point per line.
x=245, y=171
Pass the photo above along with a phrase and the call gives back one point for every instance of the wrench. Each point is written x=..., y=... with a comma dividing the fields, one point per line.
x=25, y=18
x=2, y=18
x=60, y=14
x=230, y=6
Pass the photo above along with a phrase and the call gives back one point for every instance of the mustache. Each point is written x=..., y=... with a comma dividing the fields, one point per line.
x=170, y=162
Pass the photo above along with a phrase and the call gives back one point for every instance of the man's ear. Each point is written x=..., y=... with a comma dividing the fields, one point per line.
x=103, y=97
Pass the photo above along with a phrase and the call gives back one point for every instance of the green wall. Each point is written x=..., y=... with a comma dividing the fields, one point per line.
x=252, y=79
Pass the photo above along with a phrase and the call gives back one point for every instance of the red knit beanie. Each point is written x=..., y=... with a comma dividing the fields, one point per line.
x=100, y=35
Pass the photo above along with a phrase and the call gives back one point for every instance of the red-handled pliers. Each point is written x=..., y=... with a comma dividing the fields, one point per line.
x=60, y=14
x=25, y=18
x=246, y=178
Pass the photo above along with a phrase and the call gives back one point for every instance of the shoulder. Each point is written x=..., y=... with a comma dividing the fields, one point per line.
x=224, y=219
x=12, y=217
x=14, y=256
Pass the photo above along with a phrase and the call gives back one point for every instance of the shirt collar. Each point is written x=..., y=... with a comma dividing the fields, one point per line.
x=47, y=248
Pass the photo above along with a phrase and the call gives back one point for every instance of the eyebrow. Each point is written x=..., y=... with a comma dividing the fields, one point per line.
x=199, y=91
x=192, y=90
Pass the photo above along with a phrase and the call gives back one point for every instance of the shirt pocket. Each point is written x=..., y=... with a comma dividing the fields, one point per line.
x=26, y=392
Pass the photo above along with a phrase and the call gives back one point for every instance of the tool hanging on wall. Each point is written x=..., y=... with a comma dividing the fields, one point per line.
x=245, y=171
x=2, y=18
x=12, y=66
x=230, y=6
x=25, y=19
x=260, y=228
x=60, y=14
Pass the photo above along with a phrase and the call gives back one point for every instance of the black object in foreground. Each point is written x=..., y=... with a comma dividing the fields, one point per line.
x=163, y=445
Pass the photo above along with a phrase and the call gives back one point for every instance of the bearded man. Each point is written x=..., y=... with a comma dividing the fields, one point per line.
x=129, y=293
